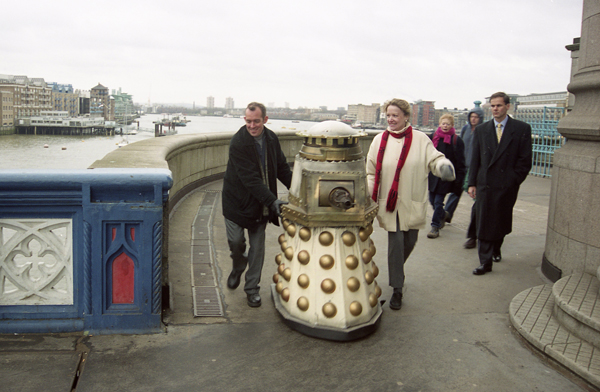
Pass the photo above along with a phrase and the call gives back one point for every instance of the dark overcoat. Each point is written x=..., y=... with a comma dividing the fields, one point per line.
x=455, y=152
x=244, y=191
x=497, y=170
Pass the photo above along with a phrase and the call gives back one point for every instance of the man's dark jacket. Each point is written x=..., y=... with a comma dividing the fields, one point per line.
x=497, y=171
x=244, y=192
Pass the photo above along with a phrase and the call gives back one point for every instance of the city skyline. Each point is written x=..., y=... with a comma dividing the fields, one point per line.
x=309, y=55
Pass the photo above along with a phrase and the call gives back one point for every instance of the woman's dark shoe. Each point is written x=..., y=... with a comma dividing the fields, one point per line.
x=396, y=301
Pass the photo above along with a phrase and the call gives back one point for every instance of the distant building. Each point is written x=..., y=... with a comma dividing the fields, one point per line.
x=29, y=96
x=7, y=114
x=64, y=98
x=229, y=103
x=100, y=102
x=123, y=107
x=532, y=108
x=84, y=102
x=210, y=102
x=423, y=114
x=364, y=114
x=559, y=99
x=323, y=116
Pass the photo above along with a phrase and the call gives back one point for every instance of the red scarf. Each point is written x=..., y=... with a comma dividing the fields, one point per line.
x=447, y=136
x=393, y=195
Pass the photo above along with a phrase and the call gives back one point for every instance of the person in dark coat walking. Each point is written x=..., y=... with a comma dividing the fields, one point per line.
x=475, y=118
x=500, y=162
x=249, y=197
x=451, y=145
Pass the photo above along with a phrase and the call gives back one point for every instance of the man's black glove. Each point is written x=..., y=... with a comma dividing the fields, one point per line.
x=276, y=206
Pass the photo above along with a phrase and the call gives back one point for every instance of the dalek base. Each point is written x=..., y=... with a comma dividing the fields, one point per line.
x=325, y=332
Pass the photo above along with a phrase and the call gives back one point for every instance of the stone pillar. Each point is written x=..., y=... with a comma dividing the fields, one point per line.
x=573, y=235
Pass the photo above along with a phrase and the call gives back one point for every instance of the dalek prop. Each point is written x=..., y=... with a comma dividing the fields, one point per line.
x=325, y=283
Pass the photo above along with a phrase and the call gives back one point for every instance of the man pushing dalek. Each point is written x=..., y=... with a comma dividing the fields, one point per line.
x=325, y=282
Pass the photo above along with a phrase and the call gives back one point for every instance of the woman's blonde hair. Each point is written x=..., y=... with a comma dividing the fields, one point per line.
x=447, y=116
x=400, y=104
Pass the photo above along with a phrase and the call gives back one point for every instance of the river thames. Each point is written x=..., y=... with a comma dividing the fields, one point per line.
x=79, y=152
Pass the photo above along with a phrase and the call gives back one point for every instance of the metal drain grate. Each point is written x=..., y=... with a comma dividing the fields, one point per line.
x=207, y=299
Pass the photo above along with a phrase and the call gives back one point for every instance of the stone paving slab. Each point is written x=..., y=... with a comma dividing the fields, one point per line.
x=579, y=296
x=531, y=312
x=36, y=371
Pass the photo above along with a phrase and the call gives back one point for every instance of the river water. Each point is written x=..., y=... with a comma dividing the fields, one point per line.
x=79, y=152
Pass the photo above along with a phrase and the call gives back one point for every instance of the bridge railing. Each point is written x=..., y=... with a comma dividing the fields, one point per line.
x=80, y=250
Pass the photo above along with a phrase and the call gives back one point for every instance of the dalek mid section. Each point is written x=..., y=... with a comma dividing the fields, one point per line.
x=325, y=282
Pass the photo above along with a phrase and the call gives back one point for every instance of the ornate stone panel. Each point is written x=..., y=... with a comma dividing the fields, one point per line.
x=36, y=262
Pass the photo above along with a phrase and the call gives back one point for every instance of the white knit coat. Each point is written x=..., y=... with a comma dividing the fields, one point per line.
x=422, y=158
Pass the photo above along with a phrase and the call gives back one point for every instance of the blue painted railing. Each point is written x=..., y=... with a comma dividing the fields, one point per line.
x=81, y=250
x=545, y=136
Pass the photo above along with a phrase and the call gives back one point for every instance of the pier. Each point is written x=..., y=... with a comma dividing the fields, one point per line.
x=65, y=130
x=58, y=123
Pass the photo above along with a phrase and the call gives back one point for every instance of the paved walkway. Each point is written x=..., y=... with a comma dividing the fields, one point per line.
x=452, y=334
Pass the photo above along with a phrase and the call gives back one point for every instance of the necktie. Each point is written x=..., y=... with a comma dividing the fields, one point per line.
x=499, y=132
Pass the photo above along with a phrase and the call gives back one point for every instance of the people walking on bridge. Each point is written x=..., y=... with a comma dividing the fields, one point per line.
x=451, y=145
x=250, y=201
x=475, y=118
x=398, y=162
x=500, y=162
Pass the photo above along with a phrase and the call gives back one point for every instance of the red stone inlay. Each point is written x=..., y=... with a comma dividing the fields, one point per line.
x=114, y=233
x=123, y=284
x=132, y=232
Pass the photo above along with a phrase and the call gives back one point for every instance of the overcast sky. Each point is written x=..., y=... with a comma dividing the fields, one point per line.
x=307, y=53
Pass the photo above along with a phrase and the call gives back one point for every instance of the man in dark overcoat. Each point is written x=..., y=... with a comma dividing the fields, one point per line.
x=249, y=197
x=500, y=162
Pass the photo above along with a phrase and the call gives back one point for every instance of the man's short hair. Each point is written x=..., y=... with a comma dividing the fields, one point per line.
x=502, y=95
x=252, y=106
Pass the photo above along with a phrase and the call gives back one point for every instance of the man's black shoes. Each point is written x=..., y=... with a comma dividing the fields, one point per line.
x=254, y=300
x=470, y=244
x=482, y=269
x=396, y=301
x=497, y=258
x=234, y=280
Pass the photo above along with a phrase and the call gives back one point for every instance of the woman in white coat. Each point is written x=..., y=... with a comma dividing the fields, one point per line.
x=398, y=165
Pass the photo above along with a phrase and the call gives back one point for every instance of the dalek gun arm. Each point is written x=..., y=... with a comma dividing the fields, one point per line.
x=341, y=198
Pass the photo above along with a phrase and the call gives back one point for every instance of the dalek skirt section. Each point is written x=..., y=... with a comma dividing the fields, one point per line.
x=325, y=284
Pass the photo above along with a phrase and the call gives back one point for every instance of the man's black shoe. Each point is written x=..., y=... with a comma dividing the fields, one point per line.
x=470, y=244
x=234, y=280
x=497, y=258
x=254, y=300
x=396, y=301
x=482, y=269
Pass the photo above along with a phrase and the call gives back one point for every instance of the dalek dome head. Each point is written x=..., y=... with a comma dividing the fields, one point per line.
x=331, y=141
